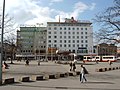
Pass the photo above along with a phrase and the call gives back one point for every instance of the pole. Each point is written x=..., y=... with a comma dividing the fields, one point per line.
x=2, y=42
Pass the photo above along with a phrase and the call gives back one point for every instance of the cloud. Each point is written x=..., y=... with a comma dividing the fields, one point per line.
x=92, y=6
x=56, y=0
x=30, y=12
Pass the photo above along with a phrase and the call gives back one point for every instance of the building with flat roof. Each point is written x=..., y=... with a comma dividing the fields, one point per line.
x=31, y=41
x=72, y=35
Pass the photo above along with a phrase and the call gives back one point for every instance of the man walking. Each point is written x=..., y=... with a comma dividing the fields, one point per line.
x=82, y=74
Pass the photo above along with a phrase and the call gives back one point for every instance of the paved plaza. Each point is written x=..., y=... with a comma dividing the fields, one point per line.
x=108, y=80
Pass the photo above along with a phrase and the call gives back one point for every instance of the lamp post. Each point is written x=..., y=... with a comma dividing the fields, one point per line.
x=2, y=41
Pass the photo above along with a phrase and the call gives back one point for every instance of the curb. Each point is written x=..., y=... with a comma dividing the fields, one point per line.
x=106, y=69
x=40, y=77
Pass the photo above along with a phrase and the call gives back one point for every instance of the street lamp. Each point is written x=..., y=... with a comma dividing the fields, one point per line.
x=2, y=41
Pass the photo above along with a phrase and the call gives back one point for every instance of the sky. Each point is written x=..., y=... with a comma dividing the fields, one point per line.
x=43, y=11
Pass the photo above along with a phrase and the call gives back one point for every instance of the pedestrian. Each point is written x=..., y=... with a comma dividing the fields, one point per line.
x=74, y=66
x=71, y=66
x=82, y=74
x=110, y=62
x=27, y=62
x=38, y=62
x=6, y=65
x=96, y=61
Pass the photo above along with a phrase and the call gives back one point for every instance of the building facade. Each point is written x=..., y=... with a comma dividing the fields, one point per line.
x=72, y=35
x=31, y=42
x=105, y=49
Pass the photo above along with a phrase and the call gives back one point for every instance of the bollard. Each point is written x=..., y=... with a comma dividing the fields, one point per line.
x=77, y=73
x=62, y=75
x=71, y=74
x=113, y=68
x=25, y=79
x=116, y=67
x=41, y=77
x=52, y=76
x=66, y=74
x=9, y=81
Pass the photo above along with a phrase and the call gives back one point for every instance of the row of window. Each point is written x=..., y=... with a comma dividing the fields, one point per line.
x=69, y=33
x=69, y=28
x=69, y=37
x=69, y=41
x=69, y=45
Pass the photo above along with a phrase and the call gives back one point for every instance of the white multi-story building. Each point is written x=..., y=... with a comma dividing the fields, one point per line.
x=72, y=35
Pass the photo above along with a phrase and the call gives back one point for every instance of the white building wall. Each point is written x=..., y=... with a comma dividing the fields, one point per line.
x=81, y=37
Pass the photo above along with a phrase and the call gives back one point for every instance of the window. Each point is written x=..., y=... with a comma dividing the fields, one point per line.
x=55, y=45
x=82, y=37
x=49, y=32
x=73, y=32
x=81, y=32
x=77, y=41
x=86, y=45
x=49, y=28
x=73, y=28
x=55, y=32
x=81, y=41
x=69, y=41
x=60, y=32
x=69, y=45
x=55, y=28
x=64, y=41
x=64, y=36
x=49, y=45
x=55, y=41
x=77, y=32
x=49, y=41
x=68, y=32
x=73, y=45
x=64, y=28
x=78, y=37
x=86, y=37
x=64, y=32
x=60, y=45
x=77, y=28
x=69, y=28
x=85, y=28
x=60, y=28
x=73, y=41
x=55, y=36
x=60, y=36
x=85, y=32
x=69, y=37
x=73, y=36
x=81, y=28
x=60, y=41
x=64, y=45
x=86, y=41
x=49, y=36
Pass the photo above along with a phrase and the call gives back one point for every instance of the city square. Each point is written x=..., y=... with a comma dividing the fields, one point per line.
x=108, y=80
x=60, y=45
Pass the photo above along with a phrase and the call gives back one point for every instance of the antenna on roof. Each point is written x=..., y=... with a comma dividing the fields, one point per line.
x=59, y=18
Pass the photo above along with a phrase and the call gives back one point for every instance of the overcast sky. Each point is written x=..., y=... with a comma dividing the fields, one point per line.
x=42, y=11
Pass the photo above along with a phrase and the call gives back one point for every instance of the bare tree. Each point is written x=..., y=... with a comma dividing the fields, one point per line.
x=11, y=41
x=8, y=25
x=109, y=20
